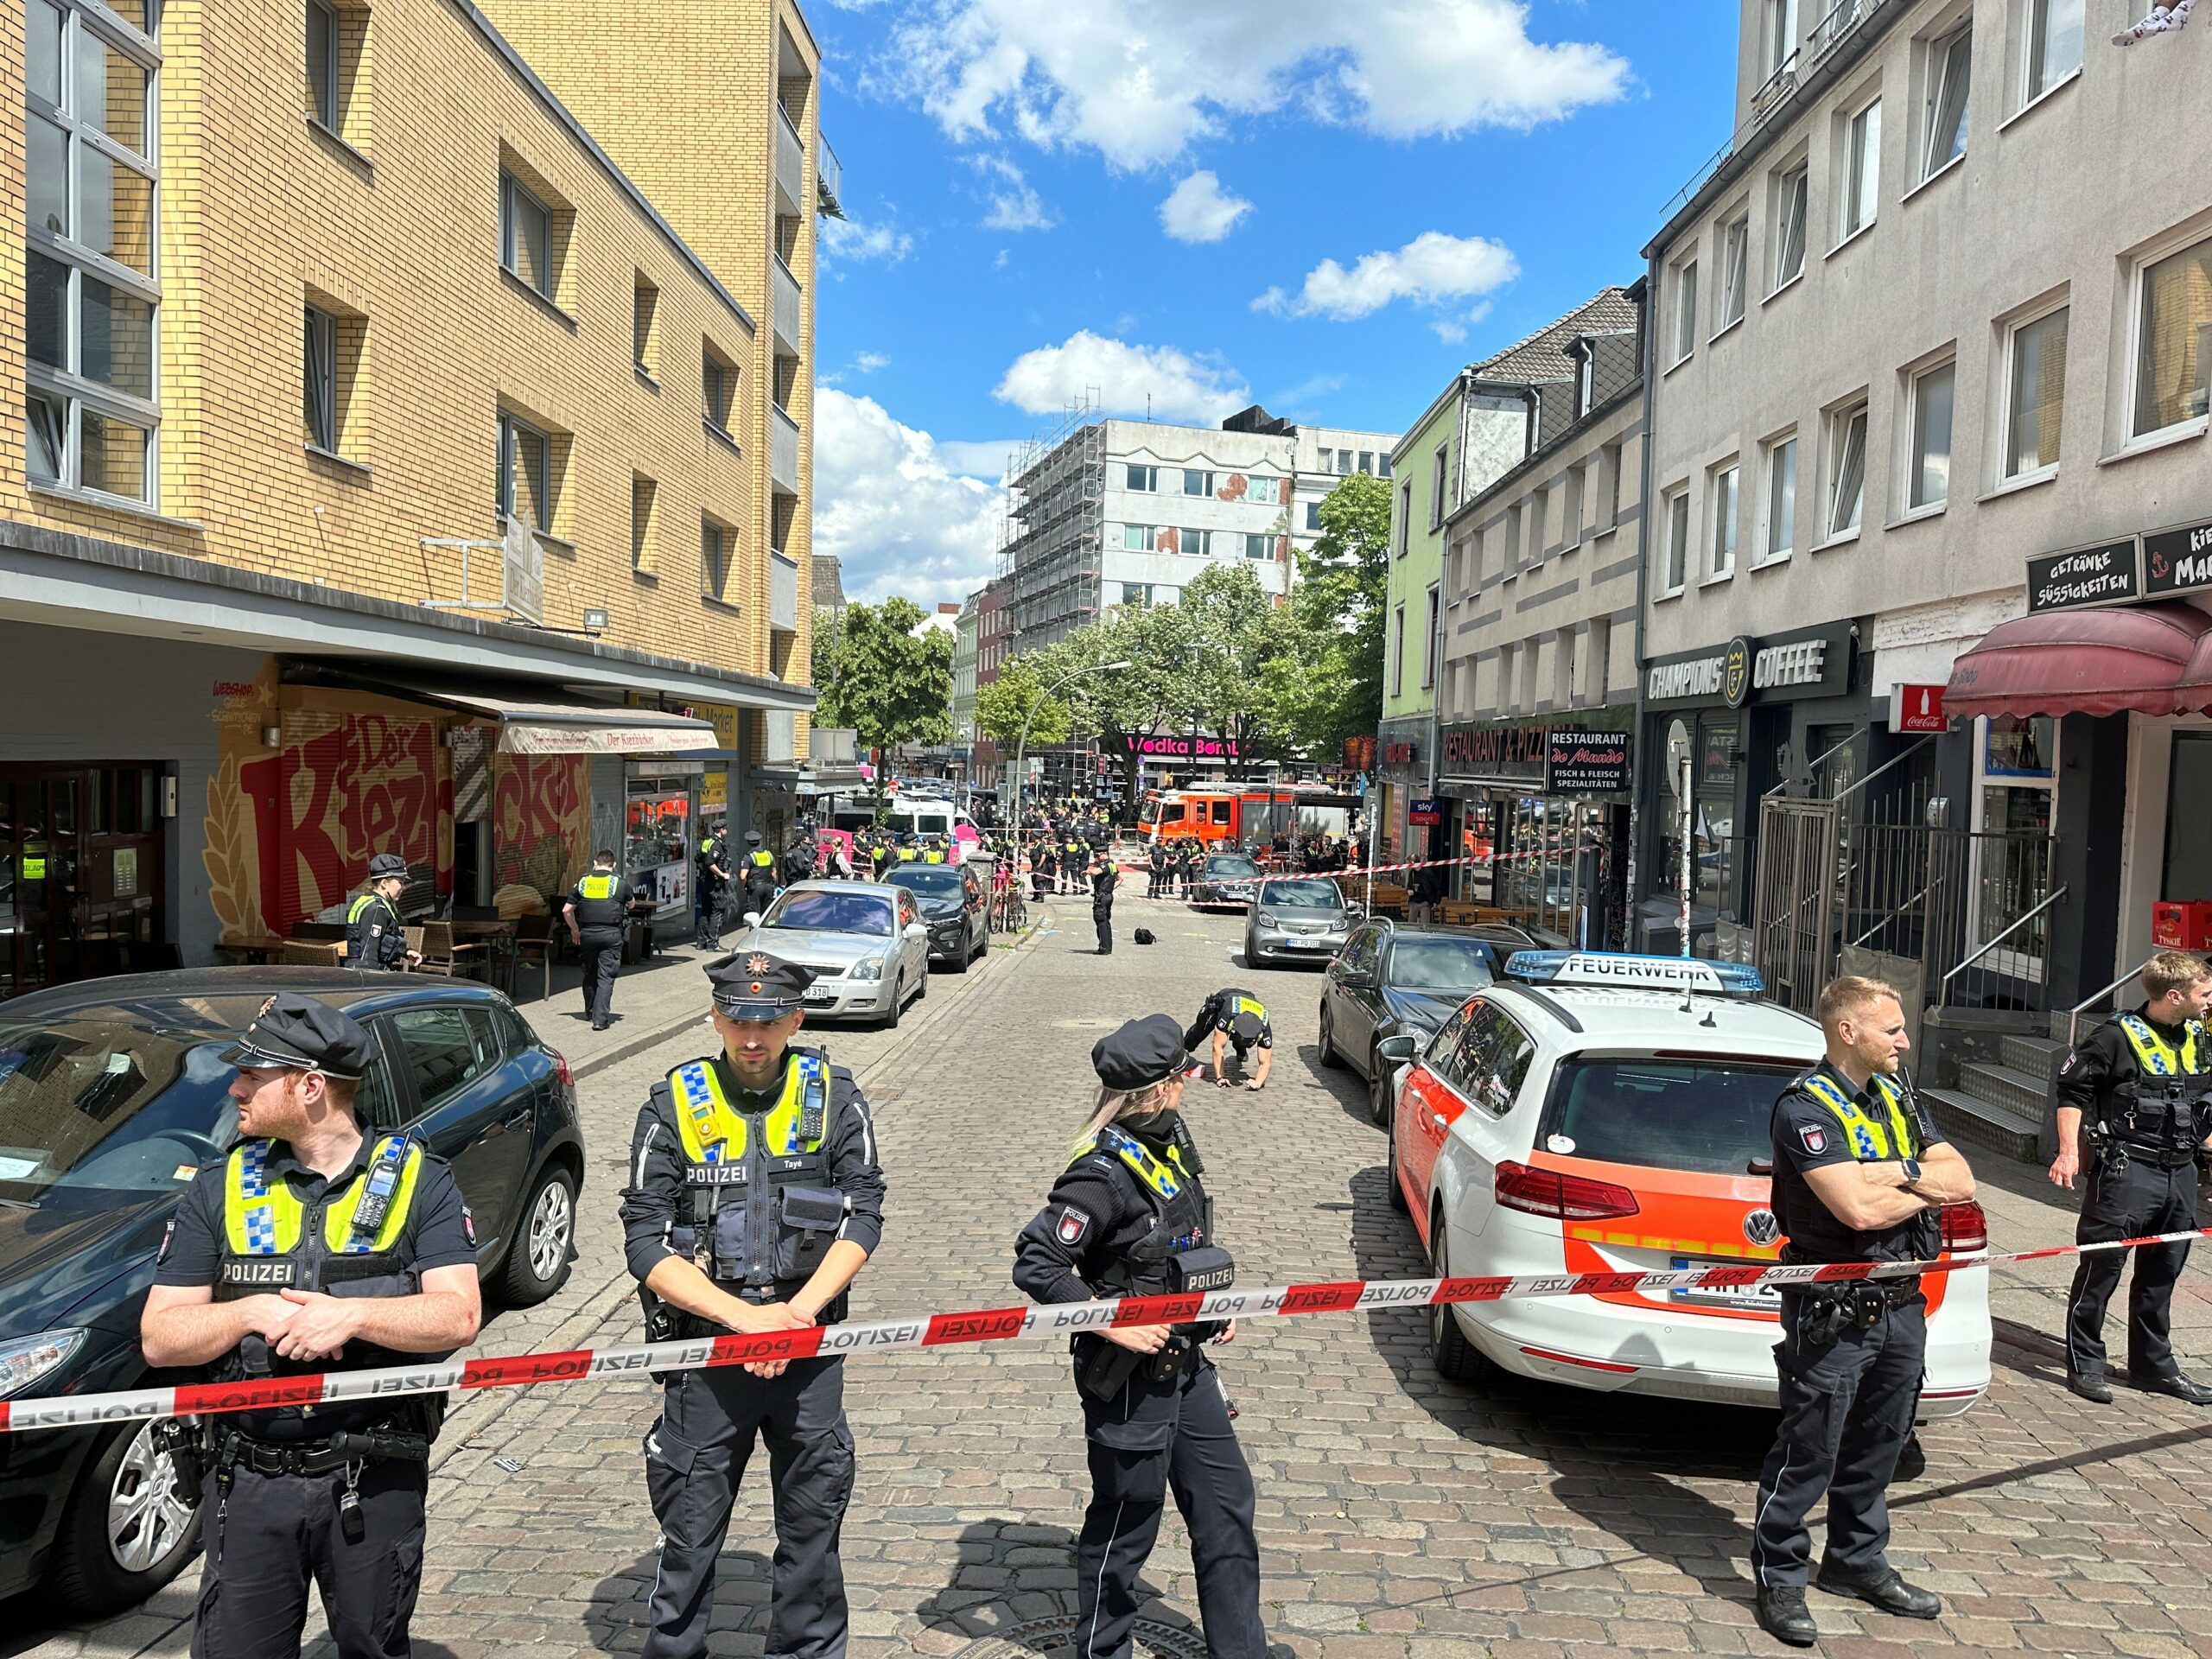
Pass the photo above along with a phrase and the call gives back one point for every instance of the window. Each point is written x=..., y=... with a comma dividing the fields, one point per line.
x=1198, y=541
x=1397, y=650
x=1259, y=546
x=1197, y=481
x=1571, y=529
x=717, y=543
x=1951, y=70
x=1585, y=378
x=320, y=386
x=1312, y=515
x=1862, y=172
x=1382, y=466
x=91, y=288
x=1781, y=35
x=525, y=235
x=1136, y=594
x=1137, y=538
x=1438, y=464
x=1678, y=541
x=526, y=476
x=1145, y=479
x=442, y=1052
x=1847, y=468
x=1428, y=638
x=322, y=63
x=1781, y=497
x=1928, y=476
x=644, y=318
x=1789, y=225
x=1405, y=517
x=717, y=389
x=1725, y=493
x=642, y=492
x=1367, y=460
x=2173, y=352
x=1685, y=309
x=2035, y=394
x=1735, y=268
x=1343, y=460
x=2054, y=45
x=1264, y=491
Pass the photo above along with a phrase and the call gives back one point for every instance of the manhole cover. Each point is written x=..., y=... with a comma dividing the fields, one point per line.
x=1054, y=1638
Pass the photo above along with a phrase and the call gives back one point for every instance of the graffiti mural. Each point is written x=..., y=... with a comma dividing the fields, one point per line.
x=540, y=822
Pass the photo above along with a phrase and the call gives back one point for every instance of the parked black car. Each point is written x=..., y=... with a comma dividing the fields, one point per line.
x=1392, y=979
x=111, y=1097
x=952, y=906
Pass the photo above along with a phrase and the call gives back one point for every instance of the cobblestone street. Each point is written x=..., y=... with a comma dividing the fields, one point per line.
x=1399, y=1516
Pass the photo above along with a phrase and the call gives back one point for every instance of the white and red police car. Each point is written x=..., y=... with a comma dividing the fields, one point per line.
x=1593, y=1113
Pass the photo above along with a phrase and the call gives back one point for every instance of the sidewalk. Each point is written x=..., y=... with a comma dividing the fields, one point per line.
x=653, y=1000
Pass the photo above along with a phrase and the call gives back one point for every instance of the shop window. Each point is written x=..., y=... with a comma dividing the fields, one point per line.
x=2015, y=785
x=2188, y=807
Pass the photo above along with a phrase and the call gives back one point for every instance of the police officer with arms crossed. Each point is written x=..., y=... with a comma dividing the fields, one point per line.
x=1859, y=1176
x=754, y=1198
x=1239, y=1020
x=374, y=935
x=333, y=1493
x=1129, y=1217
x=596, y=910
x=2137, y=1091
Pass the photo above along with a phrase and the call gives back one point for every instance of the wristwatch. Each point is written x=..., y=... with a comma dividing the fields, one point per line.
x=1912, y=1172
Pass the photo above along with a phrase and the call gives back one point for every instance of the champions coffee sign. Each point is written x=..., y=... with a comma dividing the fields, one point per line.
x=1586, y=763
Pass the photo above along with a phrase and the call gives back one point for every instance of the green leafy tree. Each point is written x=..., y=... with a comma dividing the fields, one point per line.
x=1327, y=684
x=1003, y=705
x=1237, y=630
x=1122, y=706
x=889, y=685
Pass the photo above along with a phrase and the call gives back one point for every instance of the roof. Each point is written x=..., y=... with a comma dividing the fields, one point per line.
x=343, y=987
x=1615, y=1018
x=1543, y=356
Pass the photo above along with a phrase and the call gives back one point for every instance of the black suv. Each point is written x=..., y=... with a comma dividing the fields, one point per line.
x=952, y=902
x=1391, y=979
x=111, y=1097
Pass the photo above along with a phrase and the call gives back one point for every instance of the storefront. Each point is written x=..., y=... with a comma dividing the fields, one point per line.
x=1401, y=775
x=1539, y=810
x=659, y=833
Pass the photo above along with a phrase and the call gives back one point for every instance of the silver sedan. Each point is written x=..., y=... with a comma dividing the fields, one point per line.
x=864, y=940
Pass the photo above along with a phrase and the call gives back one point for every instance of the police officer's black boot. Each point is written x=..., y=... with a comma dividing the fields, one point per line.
x=1887, y=1590
x=2177, y=1387
x=1784, y=1616
x=2091, y=1385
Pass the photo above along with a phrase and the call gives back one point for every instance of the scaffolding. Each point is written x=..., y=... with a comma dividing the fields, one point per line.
x=1053, y=533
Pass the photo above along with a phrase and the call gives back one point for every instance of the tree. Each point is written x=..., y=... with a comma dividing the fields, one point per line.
x=1123, y=706
x=1328, y=684
x=886, y=682
x=1237, y=630
x=1003, y=705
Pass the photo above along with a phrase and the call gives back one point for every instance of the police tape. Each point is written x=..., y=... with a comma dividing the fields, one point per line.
x=986, y=1324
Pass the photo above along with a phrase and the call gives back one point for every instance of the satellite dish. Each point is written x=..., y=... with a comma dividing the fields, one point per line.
x=1678, y=755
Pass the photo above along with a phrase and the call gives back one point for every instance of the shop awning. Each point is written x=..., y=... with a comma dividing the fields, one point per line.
x=581, y=727
x=2083, y=662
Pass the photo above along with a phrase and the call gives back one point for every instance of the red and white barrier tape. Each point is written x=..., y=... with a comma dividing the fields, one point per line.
x=944, y=1330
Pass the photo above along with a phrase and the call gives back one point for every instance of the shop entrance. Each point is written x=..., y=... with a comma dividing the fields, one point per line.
x=82, y=857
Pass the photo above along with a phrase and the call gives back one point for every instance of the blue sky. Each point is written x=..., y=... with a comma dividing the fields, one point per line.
x=1323, y=205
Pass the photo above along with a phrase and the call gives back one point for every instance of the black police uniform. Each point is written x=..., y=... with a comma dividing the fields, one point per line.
x=714, y=888
x=1223, y=1012
x=1158, y=861
x=759, y=872
x=284, y=1501
x=1849, y=1384
x=1103, y=879
x=375, y=938
x=2142, y=1128
x=1150, y=1424
x=601, y=909
x=760, y=1236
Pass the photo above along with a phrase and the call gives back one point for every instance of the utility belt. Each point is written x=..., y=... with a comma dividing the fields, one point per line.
x=196, y=1449
x=1827, y=1311
x=1106, y=1368
x=2112, y=1151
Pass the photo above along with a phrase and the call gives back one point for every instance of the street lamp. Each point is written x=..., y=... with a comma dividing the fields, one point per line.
x=1021, y=745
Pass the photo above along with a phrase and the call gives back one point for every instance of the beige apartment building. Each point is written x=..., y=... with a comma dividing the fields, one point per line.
x=405, y=317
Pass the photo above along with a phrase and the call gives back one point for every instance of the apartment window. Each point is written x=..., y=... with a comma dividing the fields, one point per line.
x=1197, y=481
x=1790, y=225
x=525, y=234
x=1312, y=515
x=1144, y=479
x=1571, y=527
x=1927, y=472
x=1846, y=469
x=1585, y=378
x=1678, y=541
x=1137, y=595
x=1382, y=466
x=717, y=389
x=2173, y=352
x=526, y=480
x=1610, y=461
x=319, y=380
x=1436, y=472
x=1198, y=541
x=1950, y=75
x=717, y=545
x=643, y=491
x=1862, y=171
x=90, y=281
x=2035, y=393
x=1367, y=460
x=1725, y=492
x=644, y=325
x=1405, y=518
x=322, y=63
x=1264, y=491
x=1685, y=309
x=1137, y=538
x=1781, y=497
x=1735, y=268
x=1781, y=35
x=1343, y=460
x=1397, y=650
x=1257, y=546
x=2055, y=30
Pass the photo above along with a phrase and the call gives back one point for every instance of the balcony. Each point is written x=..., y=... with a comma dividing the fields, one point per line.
x=785, y=312
x=791, y=165
x=783, y=451
x=829, y=179
x=783, y=593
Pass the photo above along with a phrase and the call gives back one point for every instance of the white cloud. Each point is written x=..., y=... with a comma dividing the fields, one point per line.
x=1139, y=81
x=848, y=239
x=986, y=459
x=1168, y=384
x=895, y=515
x=1199, y=210
x=869, y=362
x=1014, y=205
x=1432, y=270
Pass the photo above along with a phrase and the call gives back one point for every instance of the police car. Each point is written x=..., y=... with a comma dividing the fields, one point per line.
x=1594, y=1113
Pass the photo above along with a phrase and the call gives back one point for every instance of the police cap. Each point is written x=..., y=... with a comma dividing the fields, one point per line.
x=1245, y=1028
x=386, y=865
x=754, y=985
x=1140, y=1053
x=298, y=1033
x=752, y=837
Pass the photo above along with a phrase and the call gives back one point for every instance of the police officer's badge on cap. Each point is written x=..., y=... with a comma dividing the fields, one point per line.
x=298, y=1033
x=386, y=865
x=754, y=985
x=1140, y=1053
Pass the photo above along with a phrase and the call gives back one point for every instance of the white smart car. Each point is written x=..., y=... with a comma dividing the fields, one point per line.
x=1597, y=1114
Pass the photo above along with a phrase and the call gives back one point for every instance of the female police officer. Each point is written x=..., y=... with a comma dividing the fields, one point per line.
x=1130, y=1217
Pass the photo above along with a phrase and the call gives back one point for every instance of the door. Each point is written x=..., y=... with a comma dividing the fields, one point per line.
x=913, y=954
x=41, y=836
x=1428, y=1108
x=1352, y=1005
x=467, y=1107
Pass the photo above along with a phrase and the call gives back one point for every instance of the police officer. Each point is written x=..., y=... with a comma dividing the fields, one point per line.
x=714, y=891
x=884, y=856
x=374, y=936
x=1157, y=862
x=1045, y=867
x=1859, y=1176
x=1238, y=1020
x=798, y=861
x=933, y=852
x=331, y=1493
x=759, y=873
x=1129, y=1217
x=2140, y=1085
x=1105, y=876
x=595, y=909
x=1075, y=863
x=755, y=1198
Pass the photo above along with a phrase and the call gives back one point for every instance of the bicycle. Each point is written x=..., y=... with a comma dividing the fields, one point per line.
x=1010, y=915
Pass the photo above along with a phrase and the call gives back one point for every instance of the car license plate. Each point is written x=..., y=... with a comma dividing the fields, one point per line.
x=820, y=994
x=1758, y=1298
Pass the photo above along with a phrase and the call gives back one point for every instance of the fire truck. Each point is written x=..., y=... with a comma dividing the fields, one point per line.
x=1234, y=814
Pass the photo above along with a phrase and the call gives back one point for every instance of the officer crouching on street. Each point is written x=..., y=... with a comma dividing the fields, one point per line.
x=374, y=935
x=333, y=1493
x=1234, y=1019
x=1859, y=1176
x=1129, y=1217
x=755, y=1197
x=2139, y=1082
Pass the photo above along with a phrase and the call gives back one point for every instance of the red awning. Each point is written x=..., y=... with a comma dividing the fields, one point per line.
x=2084, y=663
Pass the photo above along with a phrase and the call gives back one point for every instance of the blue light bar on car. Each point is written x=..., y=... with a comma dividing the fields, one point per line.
x=1634, y=973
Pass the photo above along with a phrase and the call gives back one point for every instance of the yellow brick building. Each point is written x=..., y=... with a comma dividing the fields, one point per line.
x=400, y=298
